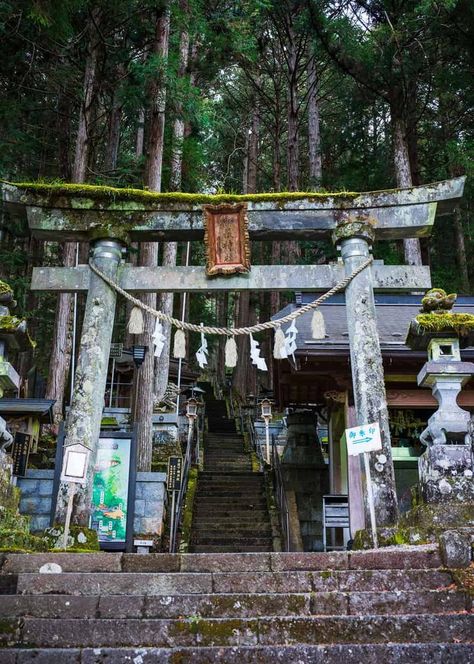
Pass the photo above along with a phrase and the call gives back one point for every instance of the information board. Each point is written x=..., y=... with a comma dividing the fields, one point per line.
x=173, y=478
x=364, y=438
x=110, y=492
x=20, y=453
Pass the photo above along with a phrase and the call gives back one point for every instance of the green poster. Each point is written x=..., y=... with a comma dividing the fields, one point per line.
x=110, y=489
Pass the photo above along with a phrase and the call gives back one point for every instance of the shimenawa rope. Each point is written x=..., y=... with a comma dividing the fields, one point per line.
x=232, y=331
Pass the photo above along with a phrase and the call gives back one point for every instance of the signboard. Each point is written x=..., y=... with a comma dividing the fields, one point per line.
x=20, y=453
x=175, y=469
x=226, y=239
x=111, y=489
x=364, y=438
x=116, y=351
x=74, y=469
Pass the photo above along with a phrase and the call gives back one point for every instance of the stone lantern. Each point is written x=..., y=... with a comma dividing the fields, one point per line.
x=446, y=468
x=13, y=336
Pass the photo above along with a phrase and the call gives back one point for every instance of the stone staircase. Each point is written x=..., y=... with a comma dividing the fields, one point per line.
x=392, y=606
x=230, y=512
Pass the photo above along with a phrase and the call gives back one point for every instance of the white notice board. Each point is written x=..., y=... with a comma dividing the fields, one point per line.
x=364, y=438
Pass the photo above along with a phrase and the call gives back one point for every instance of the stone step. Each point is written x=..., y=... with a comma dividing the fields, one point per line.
x=246, y=477
x=223, y=464
x=233, y=549
x=228, y=486
x=231, y=530
x=224, y=524
x=225, y=450
x=205, y=492
x=94, y=583
x=227, y=502
x=233, y=457
x=102, y=633
x=234, y=605
x=237, y=455
x=235, y=513
x=419, y=653
x=232, y=476
x=227, y=454
x=243, y=539
x=227, y=465
x=392, y=558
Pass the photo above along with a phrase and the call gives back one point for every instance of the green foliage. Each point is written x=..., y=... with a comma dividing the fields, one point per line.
x=5, y=288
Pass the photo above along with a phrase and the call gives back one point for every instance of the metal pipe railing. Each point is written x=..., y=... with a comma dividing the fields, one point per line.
x=280, y=497
x=192, y=449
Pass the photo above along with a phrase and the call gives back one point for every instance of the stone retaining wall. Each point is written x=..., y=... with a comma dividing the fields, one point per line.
x=150, y=500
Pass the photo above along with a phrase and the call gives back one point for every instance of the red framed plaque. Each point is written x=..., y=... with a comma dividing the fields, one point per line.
x=226, y=238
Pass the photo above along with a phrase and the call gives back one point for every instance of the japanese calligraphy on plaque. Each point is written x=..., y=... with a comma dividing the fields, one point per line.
x=173, y=476
x=226, y=239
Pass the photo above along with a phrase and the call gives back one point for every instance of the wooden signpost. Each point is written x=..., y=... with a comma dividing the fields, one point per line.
x=362, y=440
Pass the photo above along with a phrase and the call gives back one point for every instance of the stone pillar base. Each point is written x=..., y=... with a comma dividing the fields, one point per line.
x=446, y=474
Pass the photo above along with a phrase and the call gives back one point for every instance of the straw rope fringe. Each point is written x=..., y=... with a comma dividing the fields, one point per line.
x=234, y=331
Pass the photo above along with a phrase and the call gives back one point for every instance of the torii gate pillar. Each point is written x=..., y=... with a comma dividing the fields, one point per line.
x=355, y=240
x=85, y=415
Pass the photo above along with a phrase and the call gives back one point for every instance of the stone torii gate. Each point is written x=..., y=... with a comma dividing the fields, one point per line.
x=111, y=218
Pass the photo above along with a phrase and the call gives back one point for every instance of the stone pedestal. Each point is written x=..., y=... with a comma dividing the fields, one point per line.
x=446, y=474
x=446, y=379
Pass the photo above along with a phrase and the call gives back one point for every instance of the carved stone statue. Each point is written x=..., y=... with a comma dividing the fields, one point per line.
x=437, y=301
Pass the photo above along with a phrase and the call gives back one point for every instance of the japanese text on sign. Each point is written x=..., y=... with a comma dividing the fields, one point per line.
x=364, y=438
x=173, y=479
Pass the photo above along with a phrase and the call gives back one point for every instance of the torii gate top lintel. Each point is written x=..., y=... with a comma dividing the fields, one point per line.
x=79, y=212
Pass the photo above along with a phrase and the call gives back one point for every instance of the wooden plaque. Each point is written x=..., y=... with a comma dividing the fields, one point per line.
x=226, y=239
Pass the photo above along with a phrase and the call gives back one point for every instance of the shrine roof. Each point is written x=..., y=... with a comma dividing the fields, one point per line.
x=393, y=321
x=40, y=408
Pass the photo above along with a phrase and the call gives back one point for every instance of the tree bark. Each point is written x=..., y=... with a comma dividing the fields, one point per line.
x=252, y=159
x=113, y=140
x=157, y=98
x=88, y=100
x=457, y=217
x=60, y=361
x=314, y=134
x=170, y=249
x=165, y=304
x=245, y=372
x=292, y=147
x=401, y=159
x=222, y=303
x=461, y=251
x=140, y=138
x=144, y=378
x=59, y=366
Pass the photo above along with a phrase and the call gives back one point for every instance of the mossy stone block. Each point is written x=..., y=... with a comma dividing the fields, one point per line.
x=79, y=539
